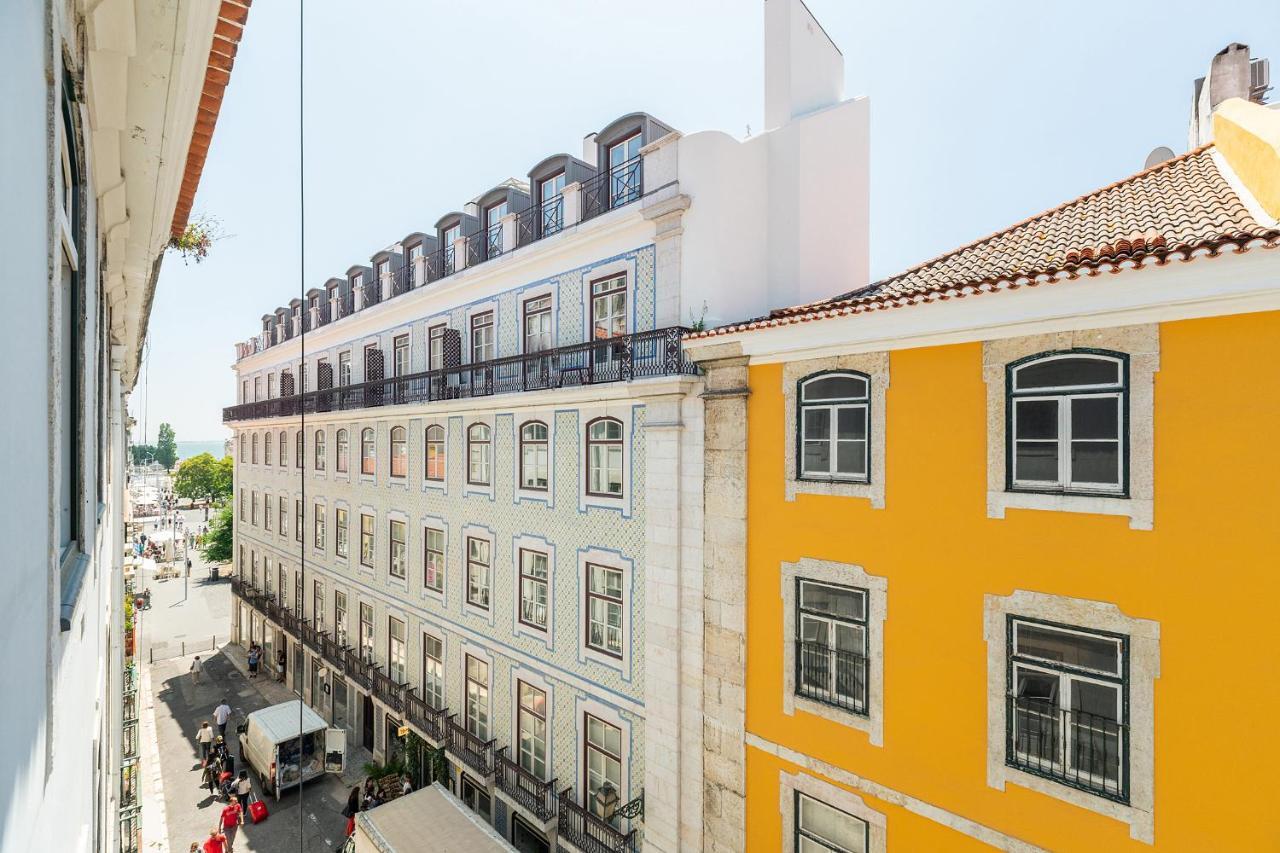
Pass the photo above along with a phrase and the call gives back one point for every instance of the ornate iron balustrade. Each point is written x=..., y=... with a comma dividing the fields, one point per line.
x=130, y=830
x=449, y=259
x=1085, y=751
x=402, y=280
x=832, y=676
x=289, y=621
x=621, y=359
x=356, y=669
x=129, y=783
x=471, y=750
x=529, y=791
x=540, y=219
x=130, y=706
x=130, y=679
x=493, y=240
x=309, y=635
x=431, y=721
x=129, y=740
x=331, y=651
x=478, y=248
x=434, y=266
x=589, y=833
x=388, y=689
x=619, y=185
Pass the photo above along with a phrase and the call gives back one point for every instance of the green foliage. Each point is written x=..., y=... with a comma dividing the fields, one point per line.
x=224, y=478
x=217, y=542
x=142, y=453
x=167, y=447
x=203, y=477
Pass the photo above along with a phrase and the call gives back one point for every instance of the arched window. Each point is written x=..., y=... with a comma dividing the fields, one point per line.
x=435, y=452
x=340, y=464
x=255, y=448
x=297, y=450
x=399, y=453
x=368, y=453
x=266, y=448
x=319, y=458
x=834, y=411
x=284, y=448
x=534, y=464
x=604, y=458
x=478, y=458
x=1068, y=416
x=242, y=456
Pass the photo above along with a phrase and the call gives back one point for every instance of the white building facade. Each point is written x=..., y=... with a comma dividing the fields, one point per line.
x=469, y=472
x=100, y=113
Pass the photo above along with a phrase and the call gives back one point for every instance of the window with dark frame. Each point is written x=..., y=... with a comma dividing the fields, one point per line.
x=478, y=458
x=399, y=452
x=368, y=452
x=1068, y=423
x=267, y=444
x=297, y=520
x=831, y=653
x=340, y=618
x=433, y=671
x=366, y=631
x=602, y=759
x=397, y=552
x=534, y=456
x=493, y=229
x=284, y=448
x=400, y=365
x=533, y=589
x=266, y=513
x=254, y=445
x=537, y=324
x=366, y=540
x=253, y=508
x=1068, y=697
x=435, y=453
x=317, y=607
x=609, y=307
x=477, y=697
x=624, y=170
x=604, y=610
x=283, y=516
x=435, y=347
x=832, y=423
x=531, y=728
x=604, y=458
x=433, y=559
x=297, y=450
x=340, y=532
x=283, y=591
x=342, y=447
x=479, y=580
x=319, y=450
x=318, y=523
x=820, y=827
x=551, y=204
x=395, y=650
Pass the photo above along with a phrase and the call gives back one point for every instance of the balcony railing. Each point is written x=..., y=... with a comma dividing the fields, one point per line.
x=388, y=689
x=529, y=791
x=355, y=668
x=129, y=783
x=483, y=245
x=129, y=740
x=618, y=186
x=402, y=279
x=309, y=635
x=471, y=750
x=331, y=651
x=589, y=833
x=832, y=676
x=433, y=722
x=130, y=830
x=620, y=359
x=1083, y=750
x=541, y=219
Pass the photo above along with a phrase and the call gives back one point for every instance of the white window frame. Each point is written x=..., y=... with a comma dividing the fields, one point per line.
x=834, y=406
x=611, y=560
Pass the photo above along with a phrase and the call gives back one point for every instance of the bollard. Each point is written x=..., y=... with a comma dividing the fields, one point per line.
x=213, y=643
x=151, y=655
x=184, y=648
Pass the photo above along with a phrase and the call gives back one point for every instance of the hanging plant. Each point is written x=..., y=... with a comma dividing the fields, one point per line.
x=194, y=242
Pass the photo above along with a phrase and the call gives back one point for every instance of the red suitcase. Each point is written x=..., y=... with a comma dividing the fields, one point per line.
x=258, y=811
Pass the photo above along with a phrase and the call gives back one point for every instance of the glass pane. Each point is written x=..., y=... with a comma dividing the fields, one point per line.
x=841, y=602
x=835, y=388
x=1095, y=732
x=851, y=423
x=604, y=736
x=850, y=638
x=1037, y=461
x=851, y=458
x=1067, y=372
x=817, y=457
x=1095, y=462
x=1095, y=417
x=1092, y=652
x=835, y=827
x=817, y=423
x=1036, y=418
x=1037, y=686
x=814, y=630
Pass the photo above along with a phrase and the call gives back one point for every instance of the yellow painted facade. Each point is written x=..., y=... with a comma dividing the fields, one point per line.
x=1208, y=573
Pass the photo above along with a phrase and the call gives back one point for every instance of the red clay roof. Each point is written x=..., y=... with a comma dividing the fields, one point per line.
x=1177, y=210
x=226, y=39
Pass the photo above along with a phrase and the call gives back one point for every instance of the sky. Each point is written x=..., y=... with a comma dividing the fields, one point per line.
x=981, y=115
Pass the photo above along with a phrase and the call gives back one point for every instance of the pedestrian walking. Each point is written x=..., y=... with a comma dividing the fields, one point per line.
x=204, y=737
x=253, y=661
x=221, y=714
x=280, y=659
x=216, y=842
x=353, y=803
x=244, y=787
x=209, y=776
x=196, y=668
x=232, y=818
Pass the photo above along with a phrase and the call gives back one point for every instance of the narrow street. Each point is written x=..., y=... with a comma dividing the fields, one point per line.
x=309, y=820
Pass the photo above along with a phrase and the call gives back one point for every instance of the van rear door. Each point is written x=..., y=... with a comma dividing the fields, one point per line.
x=335, y=750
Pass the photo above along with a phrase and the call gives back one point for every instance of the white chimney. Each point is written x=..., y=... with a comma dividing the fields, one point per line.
x=803, y=69
x=589, y=149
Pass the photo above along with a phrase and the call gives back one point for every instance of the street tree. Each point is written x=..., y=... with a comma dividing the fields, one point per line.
x=224, y=478
x=167, y=447
x=217, y=542
x=197, y=478
x=142, y=453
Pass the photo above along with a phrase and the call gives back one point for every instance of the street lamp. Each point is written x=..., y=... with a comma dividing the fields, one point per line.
x=606, y=800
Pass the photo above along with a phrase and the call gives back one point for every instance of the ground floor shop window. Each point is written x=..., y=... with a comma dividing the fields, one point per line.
x=341, y=716
x=475, y=795
x=526, y=839
x=394, y=743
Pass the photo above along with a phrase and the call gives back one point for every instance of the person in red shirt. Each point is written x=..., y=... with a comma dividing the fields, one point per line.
x=216, y=843
x=232, y=817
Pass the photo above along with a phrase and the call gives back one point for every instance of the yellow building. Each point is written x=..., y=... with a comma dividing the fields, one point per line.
x=1004, y=570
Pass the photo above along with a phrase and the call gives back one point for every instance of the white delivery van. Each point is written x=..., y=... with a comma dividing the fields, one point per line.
x=289, y=743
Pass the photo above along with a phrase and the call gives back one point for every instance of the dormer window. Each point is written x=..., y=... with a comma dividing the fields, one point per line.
x=452, y=233
x=415, y=252
x=624, y=170
x=551, y=201
x=384, y=267
x=357, y=280
x=493, y=229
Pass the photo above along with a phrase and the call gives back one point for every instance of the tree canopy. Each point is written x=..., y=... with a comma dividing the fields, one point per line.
x=142, y=453
x=217, y=542
x=167, y=447
x=203, y=478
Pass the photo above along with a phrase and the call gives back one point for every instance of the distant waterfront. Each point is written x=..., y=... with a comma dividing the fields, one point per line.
x=187, y=449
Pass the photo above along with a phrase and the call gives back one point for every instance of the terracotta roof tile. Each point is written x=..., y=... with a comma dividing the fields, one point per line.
x=1176, y=210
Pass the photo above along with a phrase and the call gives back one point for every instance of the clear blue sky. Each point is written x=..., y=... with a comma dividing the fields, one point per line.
x=980, y=117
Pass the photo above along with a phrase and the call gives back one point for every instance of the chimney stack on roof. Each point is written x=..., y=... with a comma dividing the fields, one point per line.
x=1232, y=74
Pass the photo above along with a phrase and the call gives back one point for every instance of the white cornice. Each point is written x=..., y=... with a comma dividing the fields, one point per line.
x=1204, y=287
